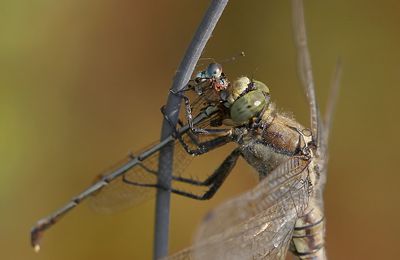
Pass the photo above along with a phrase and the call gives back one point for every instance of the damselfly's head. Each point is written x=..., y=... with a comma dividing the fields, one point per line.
x=214, y=75
x=213, y=71
x=248, y=100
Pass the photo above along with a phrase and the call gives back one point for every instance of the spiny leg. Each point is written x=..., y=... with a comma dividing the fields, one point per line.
x=206, y=146
x=217, y=178
x=214, y=181
x=212, y=144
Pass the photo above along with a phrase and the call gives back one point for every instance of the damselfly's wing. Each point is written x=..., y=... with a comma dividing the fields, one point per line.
x=120, y=195
x=259, y=223
x=116, y=189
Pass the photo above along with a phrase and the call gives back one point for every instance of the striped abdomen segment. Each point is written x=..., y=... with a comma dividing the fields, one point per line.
x=308, y=236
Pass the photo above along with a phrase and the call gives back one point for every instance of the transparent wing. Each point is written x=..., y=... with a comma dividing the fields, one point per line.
x=120, y=195
x=304, y=65
x=259, y=223
x=130, y=181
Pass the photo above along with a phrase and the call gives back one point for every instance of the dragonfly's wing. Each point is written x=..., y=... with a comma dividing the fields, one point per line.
x=326, y=125
x=304, y=66
x=259, y=223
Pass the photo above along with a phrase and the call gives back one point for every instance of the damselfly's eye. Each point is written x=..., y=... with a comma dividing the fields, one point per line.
x=214, y=70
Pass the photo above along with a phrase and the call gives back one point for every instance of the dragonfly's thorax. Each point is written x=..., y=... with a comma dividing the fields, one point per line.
x=277, y=138
x=283, y=133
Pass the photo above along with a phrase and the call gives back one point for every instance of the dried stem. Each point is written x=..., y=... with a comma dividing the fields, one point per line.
x=182, y=76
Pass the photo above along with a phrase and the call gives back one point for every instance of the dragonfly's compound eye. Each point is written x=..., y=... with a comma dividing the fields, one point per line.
x=260, y=86
x=238, y=88
x=247, y=103
x=214, y=70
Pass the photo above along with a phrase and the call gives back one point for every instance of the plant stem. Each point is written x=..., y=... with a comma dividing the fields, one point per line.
x=172, y=107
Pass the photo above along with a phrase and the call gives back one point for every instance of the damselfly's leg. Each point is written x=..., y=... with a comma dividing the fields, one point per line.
x=213, y=182
x=188, y=109
x=202, y=147
x=194, y=130
x=189, y=115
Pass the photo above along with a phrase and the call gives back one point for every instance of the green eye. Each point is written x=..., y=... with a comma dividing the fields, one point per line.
x=237, y=88
x=248, y=106
x=247, y=98
x=261, y=86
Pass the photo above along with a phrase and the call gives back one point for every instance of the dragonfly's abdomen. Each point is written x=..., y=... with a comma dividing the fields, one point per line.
x=308, y=236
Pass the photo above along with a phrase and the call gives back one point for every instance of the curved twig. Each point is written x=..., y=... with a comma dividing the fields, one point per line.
x=181, y=78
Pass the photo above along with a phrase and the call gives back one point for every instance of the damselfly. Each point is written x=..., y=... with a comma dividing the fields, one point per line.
x=132, y=180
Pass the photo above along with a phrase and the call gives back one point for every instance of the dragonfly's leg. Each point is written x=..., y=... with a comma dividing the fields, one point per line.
x=202, y=147
x=210, y=179
x=209, y=145
x=206, y=146
x=205, y=182
x=214, y=181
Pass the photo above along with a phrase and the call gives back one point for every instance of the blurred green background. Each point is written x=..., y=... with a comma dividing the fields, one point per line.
x=81, y=83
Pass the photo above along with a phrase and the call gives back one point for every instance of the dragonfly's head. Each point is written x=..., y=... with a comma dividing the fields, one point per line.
x=247, y=99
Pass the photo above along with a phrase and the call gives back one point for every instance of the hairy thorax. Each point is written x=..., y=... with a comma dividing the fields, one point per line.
x=268, y=146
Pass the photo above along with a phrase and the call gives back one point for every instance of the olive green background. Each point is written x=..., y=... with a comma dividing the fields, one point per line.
x=82, y=82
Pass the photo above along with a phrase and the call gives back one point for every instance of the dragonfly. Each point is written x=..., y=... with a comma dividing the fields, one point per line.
x=129, y=181
x=284, y=212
